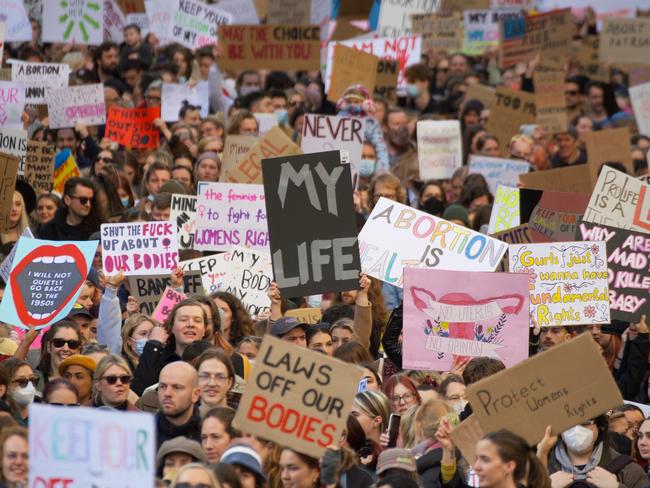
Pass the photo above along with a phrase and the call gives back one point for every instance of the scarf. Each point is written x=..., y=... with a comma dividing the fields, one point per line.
x=563, y=458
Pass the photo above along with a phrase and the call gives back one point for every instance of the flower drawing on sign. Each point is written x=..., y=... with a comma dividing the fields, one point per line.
x=590, y=311
x=74, y=13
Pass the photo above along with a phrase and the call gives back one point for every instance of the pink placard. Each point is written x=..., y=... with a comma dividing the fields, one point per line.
x=169, y=299
x=460, y=314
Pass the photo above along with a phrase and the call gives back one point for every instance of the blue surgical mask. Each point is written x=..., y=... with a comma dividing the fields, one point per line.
x=125, y=202
x=412, y=90
x=139, y=346
x=282, y=115
x=366, y=167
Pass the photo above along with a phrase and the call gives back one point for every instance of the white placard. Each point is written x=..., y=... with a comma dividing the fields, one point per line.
x=174, y=94
x=440, y=149
x=37, y=77
x=183, y=212
x=498, y=171
x=640, y=96
x=14, y=142
x=83, y=104
x=12, y=104
x=17, y=24
x=505, y=209
x=73, y=22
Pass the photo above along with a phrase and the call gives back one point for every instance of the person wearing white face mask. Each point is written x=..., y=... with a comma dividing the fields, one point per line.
x=583, y=454
x=22, y=388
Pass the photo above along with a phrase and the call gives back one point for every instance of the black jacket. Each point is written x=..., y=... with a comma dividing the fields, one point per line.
x=634, y=364
x=166, y=430
x=154, y=358
x=429, y=468
x=390, y=340
x=58, y=229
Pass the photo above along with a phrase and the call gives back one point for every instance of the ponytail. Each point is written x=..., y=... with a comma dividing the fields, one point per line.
x=536, y=473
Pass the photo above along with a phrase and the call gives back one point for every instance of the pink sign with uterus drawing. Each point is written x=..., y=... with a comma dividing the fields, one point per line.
x=452, y=315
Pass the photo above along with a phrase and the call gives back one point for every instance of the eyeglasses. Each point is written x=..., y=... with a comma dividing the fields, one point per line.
x=106, y=160
x=192, y=485
x=219, y=378
x=405, y=398
x=24, y=381
x=111, y=379
x=83, y=200
x=72, y=343
x=57, y=404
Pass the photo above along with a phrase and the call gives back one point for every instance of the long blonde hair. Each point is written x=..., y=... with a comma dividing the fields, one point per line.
x=23, y=223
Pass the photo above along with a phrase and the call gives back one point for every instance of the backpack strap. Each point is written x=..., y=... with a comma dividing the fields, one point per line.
x=618, y=463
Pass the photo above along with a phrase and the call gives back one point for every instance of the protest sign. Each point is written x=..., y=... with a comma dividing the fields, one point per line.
x=550, y=101
x=498, y=170
x=608, y=145
x=8, y=172
x=245, y=273
x=386, y=80
x=440, y=149
x=552, y=216
x=2, y=39
x=297, y=397
x=265, y=122
x=460, y=5
x=167, y=302
x=439, y=32
x=133, y=127
x=195, y=24
x=481, y=28
x=289, y=12
x=521, y=38
x=114, y=21
x=588, y=59
x=567, y=385
x=78, y=22
x=148, y=290
x=396, y=236
x=351, y=67
x=7, y=263
x=640, y=96
x=230, y=215
x=465, y=438
x=449, y=315
x=14, y=142
x=45, y=280
x=183, y=212
x=16, y=20
x=159, y=13
x=174, y=95
x=39, y=165
x=65, y=167
x=571, y=179
x=639, y=75
x=83, y=104
x=276, y=47
x=511, y=109
x=80, y=457
x=516, y=235
x=505, y=209
x=37, y=77
x=310, y=315
x=628, y=256
x=248, y=169
x=619, y=200
x=329, y=132
x=139, y=248
x=312, y=228
x=234, y=148
x=395, y=16
x=624, y=40
x=567, y=281
x=483, y=93
x=12, y=104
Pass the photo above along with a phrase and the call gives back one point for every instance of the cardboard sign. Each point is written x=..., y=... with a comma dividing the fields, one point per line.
x=78, y=22
x=608, y=145
x=83, y=104
x=8, y=173
x=230, y=216
x=619, y=200
x=311, y=315
x=175, y=94
x=440, y=148
x=275, y=47
x=14, y=143
x=133, y=127
x=248, y=169
x=386, y=81
x=396, y=236
x=321, y=254
x=39, y=166
x=482, y=28
x=281, y=404
x=498, y=170
x=244, y=273
x=166, y=304
x=562, y=387
x=572, y=179
x=183, y=212
x=289, y=12
x=588, y=59
x=65, y=167
x=550, y=101
x=511, y=109
x=395, y=16
x=195, y=24
x=114, y=22
x=45, y=280
x=465, y=438
x=12, y=104
x=521, y=38
x=505, y=209
x=639, y=75
x=624, y=40
x=37, y=77
x=456, y=314
x=139, y=248
x=552, y=216
x=132, y=437
x=439, y=33
x=516, y=235
x=148, y=290
x=351, y=67
x=329, y=132
x=484, y=94
x=234, y=148
x=628, y=256
x=17, y=25
x=640, y=96
x=567, y=281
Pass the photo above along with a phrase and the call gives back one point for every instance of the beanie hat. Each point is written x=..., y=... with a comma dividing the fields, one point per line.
x=179, y=444
x=246, y=457
x=456, y=212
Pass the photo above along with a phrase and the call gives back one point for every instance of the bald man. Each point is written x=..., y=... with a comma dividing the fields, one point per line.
x=178, y=393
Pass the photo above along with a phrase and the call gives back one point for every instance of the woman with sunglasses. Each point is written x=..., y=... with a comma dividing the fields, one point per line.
x=59, y=343
x=21, y=390
x=112, y=383
x=62, y=393
x=105, y=156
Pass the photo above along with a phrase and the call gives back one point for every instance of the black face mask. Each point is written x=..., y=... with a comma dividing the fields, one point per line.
x=433, y=206
x=639, y=163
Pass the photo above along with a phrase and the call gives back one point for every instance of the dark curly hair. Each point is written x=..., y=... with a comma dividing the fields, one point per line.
x=242, y=325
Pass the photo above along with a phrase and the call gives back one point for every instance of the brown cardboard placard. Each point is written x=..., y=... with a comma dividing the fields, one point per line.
x=278, y=47
x=589, y=59
x=438, y=32
x=550, y=102
x=39, y=165
x=514, y=235
x=289, y=12
x=625, y=40
x=510, y=110
x=639, y=75
x=8, y=174
x=235, y=148
x=608, y=145
x=571, y=179
x=386, y=81
x=351, y=67
x=310, y=315
x=561, y=387
x=483, y=93
x=297, y=397
x=345, y=30
x=357, y=9
x=248, y=169
x=131, y=6
x=148, y=290
x=460, y=5
x=465, y=437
